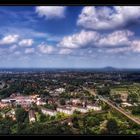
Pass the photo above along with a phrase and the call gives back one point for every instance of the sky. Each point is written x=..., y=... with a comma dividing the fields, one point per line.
x=69, y=36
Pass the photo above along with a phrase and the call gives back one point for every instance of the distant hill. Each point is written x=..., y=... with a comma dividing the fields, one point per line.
x=108, y=68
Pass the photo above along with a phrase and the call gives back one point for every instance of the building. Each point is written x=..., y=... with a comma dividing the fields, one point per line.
x=11, y=114
x=65, y=110
x=124, y=96
x=125, y=104
x=60, y=90
x=48, y=112
x=32, y=116
x=24, y=101
x=75, y=101
x=80, y=109
x=4, y=105
x=40, y=102
x=94, y=107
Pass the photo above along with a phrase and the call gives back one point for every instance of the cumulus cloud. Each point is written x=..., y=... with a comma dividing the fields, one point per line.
x=107, y=17
x=50, y=12
x=45, y=49
x=135, y=46
x=95, y=39
x=9, y=39
x=26, y=42
x=116, y=38
x=78, y=40
x=29, y=50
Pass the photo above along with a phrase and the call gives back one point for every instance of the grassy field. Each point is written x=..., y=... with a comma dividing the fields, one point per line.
x=126, y=88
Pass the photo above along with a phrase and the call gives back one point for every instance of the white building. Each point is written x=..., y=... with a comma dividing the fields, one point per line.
x=125, y=104
x=75, y=101
x=40, y=103
x=93, y=107
x=60, y=90
x=81, y=109
x=32, y=116
x=7, y=100
x=65, y=110
x=48, y=112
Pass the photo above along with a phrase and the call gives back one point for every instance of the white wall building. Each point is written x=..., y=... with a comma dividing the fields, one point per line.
x=32, y=116
x=60, y=90
x=93, y=107
x=48, y=112
x=81, y=109
x=65, y=110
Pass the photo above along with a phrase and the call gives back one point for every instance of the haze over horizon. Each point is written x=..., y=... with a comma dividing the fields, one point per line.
x=69, y=36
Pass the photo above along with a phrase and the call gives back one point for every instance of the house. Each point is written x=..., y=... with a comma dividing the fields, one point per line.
x=65, y=110
x=48, y=112
x=94, y=107
x=32, y=116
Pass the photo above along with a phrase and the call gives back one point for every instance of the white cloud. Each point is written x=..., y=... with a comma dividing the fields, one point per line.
x=29, y=50
x=9, y=39
x=116, y=38
x=135, y=46
x=51, y=11
x=26, y=42
x=45, y=49
x=78, y=40
x=65, y=51
x=107, y=17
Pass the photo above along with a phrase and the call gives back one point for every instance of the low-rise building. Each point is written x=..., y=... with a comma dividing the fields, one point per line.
x=76, y=101
x=125, y=104
x=11, y=114
x=60, y=90
x=32, y=116
x=94, y=107
x=124, y=96
x=65, y=110
x=80, y=109
x=48, y=112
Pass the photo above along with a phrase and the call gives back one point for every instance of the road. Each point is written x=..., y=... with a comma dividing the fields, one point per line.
x=111, y=104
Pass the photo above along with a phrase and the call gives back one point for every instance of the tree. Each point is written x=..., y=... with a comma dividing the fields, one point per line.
x=5, y=125
x=112, y=127
x=103, y=91
x=62, y=101
x=21, y=115
x=75, y=122
x=133, y=98
x=136, y=110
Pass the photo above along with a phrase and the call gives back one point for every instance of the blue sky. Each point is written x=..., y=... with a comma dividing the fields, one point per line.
x=70, y=36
